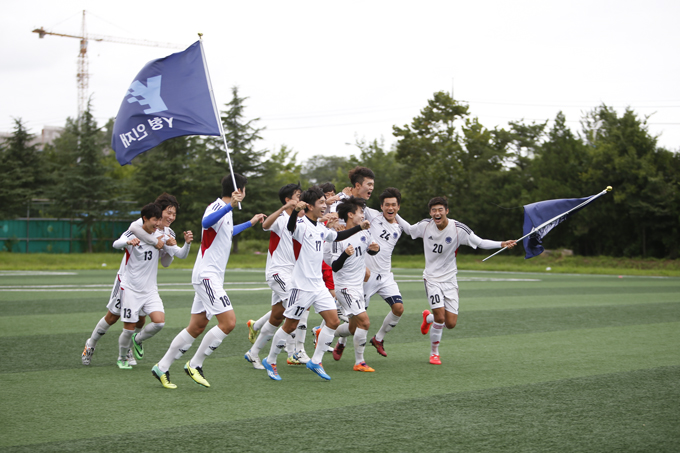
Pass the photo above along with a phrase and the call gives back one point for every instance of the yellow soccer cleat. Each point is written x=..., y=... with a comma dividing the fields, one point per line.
x=164, y=378
x=252, y=333
x=196, y=374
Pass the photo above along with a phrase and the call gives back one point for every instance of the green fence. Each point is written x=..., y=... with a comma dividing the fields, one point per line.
x=38, y=235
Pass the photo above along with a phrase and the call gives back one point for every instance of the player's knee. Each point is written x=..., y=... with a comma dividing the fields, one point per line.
x=227, y=326
x=111, y=319
x=451, y=324
x=333, y=324
x=398, y=309
x=195, y=331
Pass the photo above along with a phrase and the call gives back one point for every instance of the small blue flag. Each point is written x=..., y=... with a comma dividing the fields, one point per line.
x=170, y=97
x=536, y=214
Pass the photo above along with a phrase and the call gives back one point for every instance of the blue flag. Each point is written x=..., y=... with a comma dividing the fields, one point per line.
x=170, y=97
x=536, y=214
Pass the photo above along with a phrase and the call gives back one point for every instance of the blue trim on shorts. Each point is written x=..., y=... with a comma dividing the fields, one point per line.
x=394, y=300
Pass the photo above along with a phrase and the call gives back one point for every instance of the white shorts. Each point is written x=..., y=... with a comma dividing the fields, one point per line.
x=210, y=299
x=300, y=300
x=351, y=300
x=383, y=285
x=280, y=285
x=114, y=300
x=442, y=295
x=133, y=303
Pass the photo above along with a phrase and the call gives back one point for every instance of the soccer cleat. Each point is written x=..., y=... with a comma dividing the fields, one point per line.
x=363, y=367
x=123, y=365
x=292, y=360
x=252, y=333
x=196, y=374
x=164, y=378
x=318, y=369
x=435, y=360
x=316, y=331
x=271, y=370
x=337, y=352
x=301, y=357
x=425, y=326
x=87, y=354
x=379, y=346
x=137, y=348
x=255, y=360
x=130, y=357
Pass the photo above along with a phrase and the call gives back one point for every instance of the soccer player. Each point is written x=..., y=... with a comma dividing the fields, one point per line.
x=169, y=207
x=362, y=180
x=280, y=263
x=138, y=287
x=441, y=238
x=307, y=286
x=208, y=280
x=347, y=258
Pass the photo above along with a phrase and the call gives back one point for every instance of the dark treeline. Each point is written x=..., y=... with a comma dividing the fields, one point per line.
x=486, y=174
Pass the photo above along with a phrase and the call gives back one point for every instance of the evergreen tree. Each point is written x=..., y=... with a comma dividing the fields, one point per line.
x=24, y=175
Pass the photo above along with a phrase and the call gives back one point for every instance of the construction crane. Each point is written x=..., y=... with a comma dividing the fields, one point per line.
x=83, y=75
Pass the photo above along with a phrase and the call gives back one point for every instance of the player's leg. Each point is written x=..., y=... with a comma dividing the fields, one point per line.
x=157, y=323
x=300, y=336
x=254, y=327
x=103, y=325
x=436, y=297
x=360, y=338
x=325, y=306
x=266, y=334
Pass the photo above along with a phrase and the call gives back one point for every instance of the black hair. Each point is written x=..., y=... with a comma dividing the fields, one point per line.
x=288, y=191
x=348, y=205
x=152, y=210
x=311, y=195
x=165, y=200
x=228, y=184
x=438, y=200
x=390, y=192
x=327, y=187
x=358, y=174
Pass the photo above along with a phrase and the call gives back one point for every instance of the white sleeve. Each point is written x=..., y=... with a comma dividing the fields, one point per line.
x=121, y=242
x=142, y=235
x=418, y=229
x=404, y=224
x=370, y=214
x=331, y=235
x=328, y=252
x=487, y=244
x=183, y=252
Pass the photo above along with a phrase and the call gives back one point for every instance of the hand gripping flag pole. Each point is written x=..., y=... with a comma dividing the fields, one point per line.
x=217, y=114
x=543, y=229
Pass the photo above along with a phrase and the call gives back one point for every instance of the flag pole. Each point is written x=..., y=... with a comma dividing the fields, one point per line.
x=217, y=114
x=548, y=222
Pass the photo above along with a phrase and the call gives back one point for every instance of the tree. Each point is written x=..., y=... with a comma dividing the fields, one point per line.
x=24, y=174
x=321, y=169
x=82, y=188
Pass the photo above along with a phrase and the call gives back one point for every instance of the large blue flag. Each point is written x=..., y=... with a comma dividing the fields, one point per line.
x=170, y=97
x=536, y=214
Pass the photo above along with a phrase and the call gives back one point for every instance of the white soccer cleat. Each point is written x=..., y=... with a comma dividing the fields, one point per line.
x=301, y=357
x=86, y=356
x=131, y=358
x=255, y=360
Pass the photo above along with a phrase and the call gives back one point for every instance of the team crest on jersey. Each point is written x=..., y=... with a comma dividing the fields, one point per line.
x=322, y=234
x=395, y=235
x=363, y=238
x=449, y=240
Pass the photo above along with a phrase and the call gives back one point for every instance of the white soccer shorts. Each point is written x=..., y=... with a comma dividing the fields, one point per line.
x=351, y=300
x=383, y=285
x=114, y=300
x=210, y=299
x=133, y=303
x=280, y=285
x=442, y=295
x=300, y=300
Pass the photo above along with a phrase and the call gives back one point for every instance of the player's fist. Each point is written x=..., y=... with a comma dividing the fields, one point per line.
x=365, y=225
x=301, y=205
x=159, y=245
x=236, y=198
x=188, y=237
x=257, y=218
x=509, y=244
x=171, y=242
x=350, y=250
x=374, y=247
x=134, y=242
x=291, y=204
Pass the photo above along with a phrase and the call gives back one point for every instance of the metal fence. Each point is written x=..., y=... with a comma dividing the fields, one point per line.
x=44, y=235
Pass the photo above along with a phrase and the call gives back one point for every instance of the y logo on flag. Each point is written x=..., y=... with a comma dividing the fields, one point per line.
x=149, y=94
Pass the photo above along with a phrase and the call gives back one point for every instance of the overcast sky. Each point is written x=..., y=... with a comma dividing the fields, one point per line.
x=320, y=74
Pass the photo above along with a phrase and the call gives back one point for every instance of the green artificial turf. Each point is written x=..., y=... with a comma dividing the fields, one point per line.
x=538, y=362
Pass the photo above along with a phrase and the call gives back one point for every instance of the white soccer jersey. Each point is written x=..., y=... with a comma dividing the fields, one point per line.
x=308, y=240
x=386, y=234
x=141, y=266
x=441, y=247
x=354, y=269
x=280, y=256
x=213, y=256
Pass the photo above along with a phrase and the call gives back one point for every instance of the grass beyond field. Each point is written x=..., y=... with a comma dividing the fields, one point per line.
x=538, y=362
